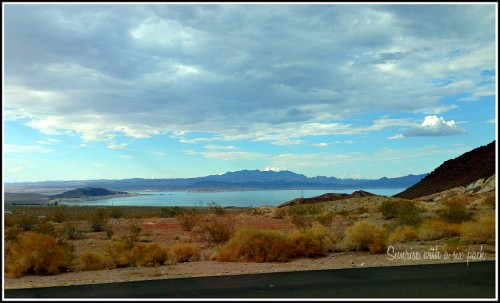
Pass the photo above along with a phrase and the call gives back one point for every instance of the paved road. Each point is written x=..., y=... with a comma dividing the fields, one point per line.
x=456, y=280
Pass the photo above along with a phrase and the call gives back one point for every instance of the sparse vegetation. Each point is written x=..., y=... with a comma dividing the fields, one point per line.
x=404, y=211
x=364, y=235
x=433, y=229
x=480, y=231
x=184, y=252
x=99, y=219
x=454, y=211
x=36, y=253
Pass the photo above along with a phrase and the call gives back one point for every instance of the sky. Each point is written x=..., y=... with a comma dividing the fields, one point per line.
x=163, y=90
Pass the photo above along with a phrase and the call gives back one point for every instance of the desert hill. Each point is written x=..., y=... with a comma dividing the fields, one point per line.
x=87, y=192
x=326, y=198
x=468, y=168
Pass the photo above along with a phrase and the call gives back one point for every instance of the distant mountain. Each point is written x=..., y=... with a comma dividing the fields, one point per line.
x=476, y=164
x=238, y=180
x=327, y=197
x=87, y=192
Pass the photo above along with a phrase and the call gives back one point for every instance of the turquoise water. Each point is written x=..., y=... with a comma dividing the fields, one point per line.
x=224, y=198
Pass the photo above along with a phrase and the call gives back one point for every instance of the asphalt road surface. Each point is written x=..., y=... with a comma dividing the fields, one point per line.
x=453, y=280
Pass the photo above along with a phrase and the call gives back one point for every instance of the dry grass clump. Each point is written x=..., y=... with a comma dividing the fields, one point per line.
x=310, y=242
x=453, y=245
x=434, y=229
x=149, y=254
x=189, y=220
x=124, y=253
x=219, y=229
x=402, y=234
x=184, y=252
x=36, y=253
x=365, y=235
x=91, y=260
x=481, y=231
x=252, y=245
x=455, y=211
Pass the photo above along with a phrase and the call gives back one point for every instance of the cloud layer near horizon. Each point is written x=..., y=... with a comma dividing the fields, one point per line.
x=274, y=73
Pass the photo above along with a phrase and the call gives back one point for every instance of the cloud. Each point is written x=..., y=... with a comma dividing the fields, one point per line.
x=434, y=126
x=398, y=136
x=271, y=168
x=219, y=147
x=113, y=145
x=233, y=156
x=12, y=148
x=101, y=71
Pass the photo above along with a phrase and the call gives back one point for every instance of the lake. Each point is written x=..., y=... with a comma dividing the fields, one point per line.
x=224, y=198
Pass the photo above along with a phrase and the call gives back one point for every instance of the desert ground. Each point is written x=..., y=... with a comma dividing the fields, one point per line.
x=199, y=236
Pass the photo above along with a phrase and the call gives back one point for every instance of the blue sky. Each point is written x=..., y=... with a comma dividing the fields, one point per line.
x=114, y=91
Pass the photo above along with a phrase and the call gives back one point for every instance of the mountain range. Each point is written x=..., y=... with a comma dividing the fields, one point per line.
x=238, y=180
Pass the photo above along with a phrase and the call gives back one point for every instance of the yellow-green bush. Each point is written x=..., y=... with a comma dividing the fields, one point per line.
x=364, y=235
x=250, y=244
x=310, y=242
x=91, y=260
x=433, y=229
x=402, y=234
x=36, y=253
x=149, y=254
x=218, y=230
x=481, y=231
x=184, y=252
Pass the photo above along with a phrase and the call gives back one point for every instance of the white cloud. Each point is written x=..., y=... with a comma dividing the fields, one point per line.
x=434, y=126
x=113, y=145
x=233, y=156
x=322, y=144
x=219, y=147
x=398, y=136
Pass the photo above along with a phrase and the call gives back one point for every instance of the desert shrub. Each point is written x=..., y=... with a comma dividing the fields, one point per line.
x=325, y=218
x=433, y=229
x=216, y=209
x=60, y=214
x=362, y=210
x=98, y=220
x=184, y=252
x=189, y=220
x=364, y=235
x=453, y=245
x=343, y=212
x=405, y=212
x=70, y=231
x=480, y=231
x=455, y=211
x=109, y=233
x=310, y=242
x=90, y=260
x=115, y=213
x=120, y=253
x=45, y=227
x=36, y=253
x=28, y=221
x=218, y=231
x=148, y=254
x=280, y=213
x=135, y=231
x=12, y=233
x=170, y=211
x=304, y=215
x=402, y=234
x=250, y=244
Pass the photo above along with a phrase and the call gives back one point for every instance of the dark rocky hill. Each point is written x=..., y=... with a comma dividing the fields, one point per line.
x=326, y=198
x=88, y=192
x=461, y=171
